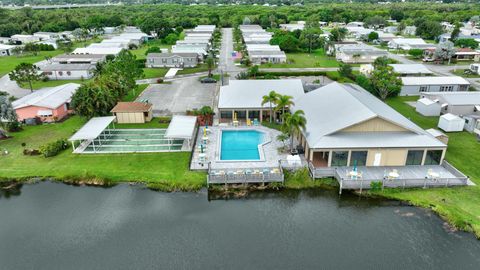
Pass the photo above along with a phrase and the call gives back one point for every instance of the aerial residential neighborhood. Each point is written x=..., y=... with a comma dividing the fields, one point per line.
x=287, y=132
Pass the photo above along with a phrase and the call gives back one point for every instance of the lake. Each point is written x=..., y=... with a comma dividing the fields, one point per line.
x=57, y=226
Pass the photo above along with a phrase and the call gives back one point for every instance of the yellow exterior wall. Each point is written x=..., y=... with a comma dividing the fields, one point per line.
x=374, y=125
x=130, y=118
x=390, y=157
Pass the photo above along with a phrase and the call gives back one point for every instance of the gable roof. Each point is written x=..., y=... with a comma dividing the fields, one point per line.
x=50, y=98
x=334, y=107
x=124, y=107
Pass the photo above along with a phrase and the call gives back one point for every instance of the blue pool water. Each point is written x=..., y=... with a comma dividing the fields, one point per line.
x=240, y=145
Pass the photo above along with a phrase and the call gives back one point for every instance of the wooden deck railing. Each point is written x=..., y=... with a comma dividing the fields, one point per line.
x=245, y=175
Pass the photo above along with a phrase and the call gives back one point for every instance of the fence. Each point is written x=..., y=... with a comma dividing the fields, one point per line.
x=245, y=175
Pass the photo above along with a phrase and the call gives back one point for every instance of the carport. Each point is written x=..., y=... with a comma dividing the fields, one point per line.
x=91, y=132
x=182, y=127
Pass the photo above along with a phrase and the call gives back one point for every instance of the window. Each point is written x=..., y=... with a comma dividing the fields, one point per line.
x=446, y=88
x=414, y=157
x=254, y=114
x=60, y=73
x=226, y=114
x=423, y=89
x=433, y=157
x=339, y=158
x=69, y=73
x=358, y=158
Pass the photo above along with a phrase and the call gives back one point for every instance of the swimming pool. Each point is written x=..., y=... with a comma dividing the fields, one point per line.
x=241, y=144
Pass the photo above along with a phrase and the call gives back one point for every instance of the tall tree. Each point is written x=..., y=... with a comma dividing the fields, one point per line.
x=284, y=102
x=7, y=114
x=271, y=99
x=26, y=73
x=385, y=82
x=338, y=34
x=210, y=65
x=92, y=100
x=444, y=51
x=294, y=124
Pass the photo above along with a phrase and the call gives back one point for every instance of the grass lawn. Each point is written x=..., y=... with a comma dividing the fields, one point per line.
x=165, y=170
x=140, y=52
x=134, y=93
x=200, y=68
x=305, y=60
x=8, y=63
x=51, y=83
x=154, y=72
x=459, y=205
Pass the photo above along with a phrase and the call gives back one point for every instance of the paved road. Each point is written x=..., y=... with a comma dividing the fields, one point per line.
x=226, y=62
x=179, y=95
x=301, y=69
x=12, y=88
x=442, y=70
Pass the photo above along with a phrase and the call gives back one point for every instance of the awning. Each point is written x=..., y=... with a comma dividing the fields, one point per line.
x=44, y=112
x=181, y=127
x=93, y=128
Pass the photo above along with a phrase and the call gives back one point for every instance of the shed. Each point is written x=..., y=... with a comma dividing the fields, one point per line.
x=471, y=122
x=438, y=135
x=451, y=123
x=428, y=107
x=132, y=112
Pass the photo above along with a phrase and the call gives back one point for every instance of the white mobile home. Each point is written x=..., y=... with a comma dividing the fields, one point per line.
x=93, y=50
x=459, y=103
x=6, y=50
x=24, y=39
x=68, y=71
x=357, y=53
x=414, y=86
x=172, y=60
x=261, y=57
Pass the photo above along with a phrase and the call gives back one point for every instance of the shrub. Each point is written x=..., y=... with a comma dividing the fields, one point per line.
x=53, y=148
x=375, y=185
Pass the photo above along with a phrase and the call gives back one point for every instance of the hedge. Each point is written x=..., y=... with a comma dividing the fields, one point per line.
x=53, y=148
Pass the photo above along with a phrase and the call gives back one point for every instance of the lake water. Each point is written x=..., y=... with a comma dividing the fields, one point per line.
x=56, y=226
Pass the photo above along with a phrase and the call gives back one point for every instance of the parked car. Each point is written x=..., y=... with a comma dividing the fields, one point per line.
x=208, y=80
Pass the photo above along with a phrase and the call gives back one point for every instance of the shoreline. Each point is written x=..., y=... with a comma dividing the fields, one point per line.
x=294, y=181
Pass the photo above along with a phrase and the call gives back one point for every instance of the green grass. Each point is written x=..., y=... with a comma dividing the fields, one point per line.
x=200, y=68
x=460, y=205
x=134, y=93
x=8, y=63
x=140, y=52
x=151, y=73
x=170, y=170
x=52, y=83
x=305, y=60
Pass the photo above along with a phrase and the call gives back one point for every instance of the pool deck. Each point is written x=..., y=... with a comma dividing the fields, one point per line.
x=270, y=150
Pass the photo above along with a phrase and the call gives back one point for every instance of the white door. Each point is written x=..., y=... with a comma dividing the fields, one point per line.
x=378, y=159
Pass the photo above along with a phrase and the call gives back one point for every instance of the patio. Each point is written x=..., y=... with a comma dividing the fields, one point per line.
x=211, y=152
x=406, y=176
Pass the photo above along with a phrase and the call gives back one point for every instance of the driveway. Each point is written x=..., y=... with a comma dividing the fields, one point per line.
x=179, y=95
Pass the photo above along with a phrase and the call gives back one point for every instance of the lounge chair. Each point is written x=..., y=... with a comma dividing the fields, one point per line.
x=249, y=122
x=255, y=122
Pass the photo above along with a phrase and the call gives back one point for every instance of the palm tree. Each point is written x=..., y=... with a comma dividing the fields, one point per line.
x=210, y=65
x=294, y=123
x=271, y=99
x=283, y=102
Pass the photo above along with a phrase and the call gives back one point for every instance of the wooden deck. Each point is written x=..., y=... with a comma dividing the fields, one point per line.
x=245, y=176
x=408, y=176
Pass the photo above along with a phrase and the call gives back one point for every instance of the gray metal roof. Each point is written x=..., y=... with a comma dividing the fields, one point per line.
x=51, y=98
x=67, y=67
x=181, y=127
x=79, y=56
x=456, y=98
x=334, y=107
x=248, y=94
x=93, y=128
x=266, y=53
x=410, y=69
x=169, y=55
x=434, y=80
